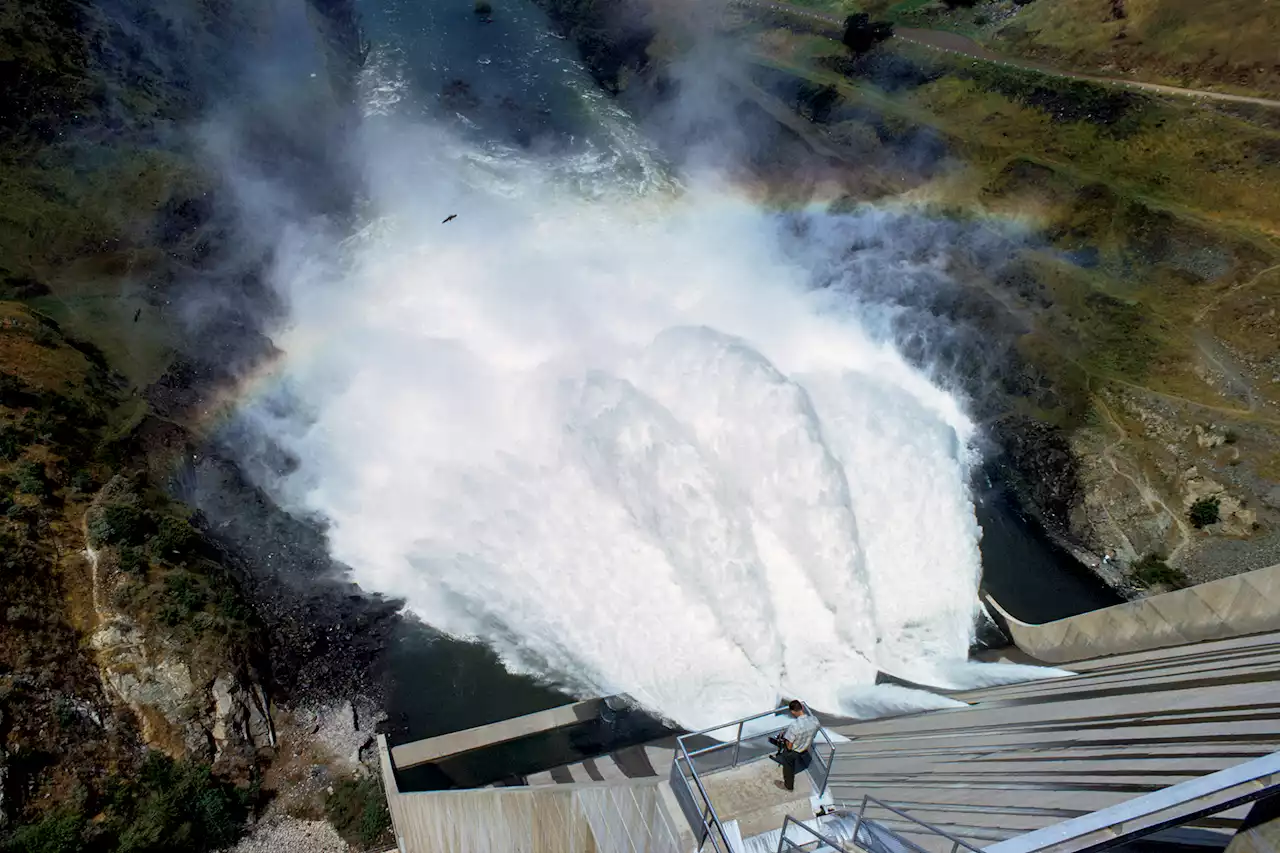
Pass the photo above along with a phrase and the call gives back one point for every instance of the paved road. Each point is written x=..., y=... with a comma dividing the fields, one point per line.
x=964, y=46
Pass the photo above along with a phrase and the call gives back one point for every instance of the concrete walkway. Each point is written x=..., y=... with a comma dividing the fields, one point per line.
x=752, y=795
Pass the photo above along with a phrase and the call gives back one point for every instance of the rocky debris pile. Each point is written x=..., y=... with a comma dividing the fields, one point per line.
x=293, y=835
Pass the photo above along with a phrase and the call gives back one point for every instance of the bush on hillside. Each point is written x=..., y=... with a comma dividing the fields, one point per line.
x=174, y=538
x=1204, y=512
x=133, y=561
x=1152, y=570
x=173, y=805
x=12, y=442
x=118, y=524
x=60, y=831
x=357, y=808
x=30, y=479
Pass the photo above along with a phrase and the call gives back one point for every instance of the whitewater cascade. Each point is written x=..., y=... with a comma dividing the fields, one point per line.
x=604, y=424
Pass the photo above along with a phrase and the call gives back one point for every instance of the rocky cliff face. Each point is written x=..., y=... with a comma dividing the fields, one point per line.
x=193, y=698
x=121, y=629
x=125, y=630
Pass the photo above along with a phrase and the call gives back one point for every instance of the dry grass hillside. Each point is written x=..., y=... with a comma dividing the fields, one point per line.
x=1226, y=44
x=1143, y=302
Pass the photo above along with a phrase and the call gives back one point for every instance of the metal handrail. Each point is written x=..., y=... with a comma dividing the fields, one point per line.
x=956, y=843
x=1175, y=805
x=737, y=741
x=819, y=837
x=739, y=723
x=687, y=756
x=706, y=799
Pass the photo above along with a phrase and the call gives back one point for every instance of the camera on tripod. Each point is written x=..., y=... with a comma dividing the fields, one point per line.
x=777, y=741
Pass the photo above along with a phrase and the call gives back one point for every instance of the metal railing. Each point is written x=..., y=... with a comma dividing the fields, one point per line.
x=686, y=770
x=1174, y=806
x=870, y=838
x=791, y=826
x=1165, y=809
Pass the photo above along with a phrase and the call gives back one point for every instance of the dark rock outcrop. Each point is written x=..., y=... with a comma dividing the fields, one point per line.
x=1042, y=467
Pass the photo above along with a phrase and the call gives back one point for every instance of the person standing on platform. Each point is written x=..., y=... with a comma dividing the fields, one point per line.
x=796, y=741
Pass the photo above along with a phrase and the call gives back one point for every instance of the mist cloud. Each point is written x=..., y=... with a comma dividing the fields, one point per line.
x=605, y=422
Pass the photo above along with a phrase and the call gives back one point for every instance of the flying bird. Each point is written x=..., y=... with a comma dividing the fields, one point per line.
x=450, y=218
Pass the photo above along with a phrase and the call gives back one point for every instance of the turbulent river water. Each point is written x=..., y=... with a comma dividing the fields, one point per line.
x=603, y=421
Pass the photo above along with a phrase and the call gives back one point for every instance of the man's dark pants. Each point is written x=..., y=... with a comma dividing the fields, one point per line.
x=793, y=763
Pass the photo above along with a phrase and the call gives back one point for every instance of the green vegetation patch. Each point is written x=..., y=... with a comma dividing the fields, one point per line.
x=60, y=831
x=1121, y=112
x=357, y=808
x=1152, y=570
x=1225, y=43
x=174, y=805
x=171, y=578
x=166, y=806
x=1204, y=512
x=1119, y=337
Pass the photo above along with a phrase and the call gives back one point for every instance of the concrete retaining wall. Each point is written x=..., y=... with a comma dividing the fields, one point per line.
x=627, y=817
x=1230, y=607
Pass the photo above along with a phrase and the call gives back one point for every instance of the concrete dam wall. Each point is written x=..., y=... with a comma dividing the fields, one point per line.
x=1231, y=607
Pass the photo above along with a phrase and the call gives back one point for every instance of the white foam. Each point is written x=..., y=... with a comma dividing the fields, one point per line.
x=612, y=434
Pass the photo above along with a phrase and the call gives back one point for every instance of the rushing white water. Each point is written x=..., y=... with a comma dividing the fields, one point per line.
x=602, y=423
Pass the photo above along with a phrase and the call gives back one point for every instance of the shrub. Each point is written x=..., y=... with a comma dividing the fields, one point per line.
x=21, y=514
x=357, y=808
x=59, y=831
x=83, y=481
x=174, y=806
x=19, y=556
x=45, y=338
x=117, y=524
x=12, y=442
x=174, y=538
x=65, y=710
x=184, y=596
x=30, y=479
x=1152, y=570
x=1204, y=512
x=133, y=560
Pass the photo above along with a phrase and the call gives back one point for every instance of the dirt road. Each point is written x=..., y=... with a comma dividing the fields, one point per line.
x=965, y=46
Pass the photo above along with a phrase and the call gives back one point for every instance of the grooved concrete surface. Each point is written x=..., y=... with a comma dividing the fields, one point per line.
x=1032, y=754
x=1229, y=607
x=634, y=816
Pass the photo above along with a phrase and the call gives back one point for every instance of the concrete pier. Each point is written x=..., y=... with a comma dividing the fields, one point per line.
x=433, y=749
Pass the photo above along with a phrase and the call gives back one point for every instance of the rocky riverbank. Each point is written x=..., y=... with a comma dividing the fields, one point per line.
x=150, y=675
